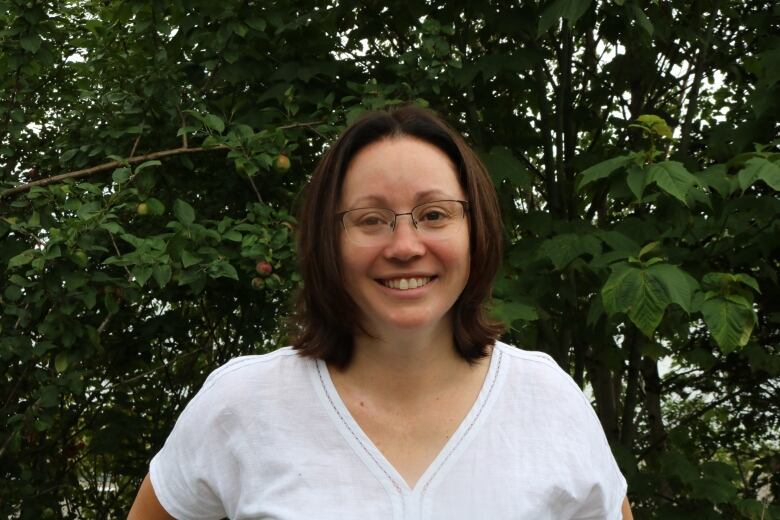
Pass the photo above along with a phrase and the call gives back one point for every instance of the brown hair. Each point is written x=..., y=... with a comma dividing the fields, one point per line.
x=325, y=319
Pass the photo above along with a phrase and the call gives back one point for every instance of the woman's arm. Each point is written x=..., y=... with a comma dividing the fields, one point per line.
x=146, y=505
x=626, y=510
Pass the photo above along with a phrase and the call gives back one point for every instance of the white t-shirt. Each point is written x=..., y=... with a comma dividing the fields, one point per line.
x=268, y=437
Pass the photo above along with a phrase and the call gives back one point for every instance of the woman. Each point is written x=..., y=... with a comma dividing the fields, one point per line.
x=395, y=401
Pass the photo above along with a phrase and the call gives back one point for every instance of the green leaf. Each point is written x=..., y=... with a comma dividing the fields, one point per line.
x=650, y=246
x=677, y=464
x=353, y=114
x=618, y=241
x=211, y=141
x=648, y=310
x=110, y=303
x=88, y=211
x=214, y=122
x=673, y=178
x=654, y=124
x=48, y=396
x=184, y=212
x=679, y=285
x=112, y=227
x=142, y=273
x=89, y=296
x=509, y=311
x=635, y=178
x=502, y=164
x=61, y=362
x=642, y=19
x=716, y=177
x=595, y=310
x=257, y=24
x=714, y=490
x=232, y=235
x=620, y=289
x=751, y=508
x=74, y=280
x=30, y=43
x=21, y=259
x=156, y=207
x=603, y=169
x=188, y=259
x=68, y=155
x=749, y=281
x=638, y=293
x=564, y=248
x=240, y=29
x=222, y=269
x=571, y=10
x=730, y=323
x=120, y=175
x=759, y=168
x=723, y=283
x=12, y=293
x=162, y=274
x=146, y=164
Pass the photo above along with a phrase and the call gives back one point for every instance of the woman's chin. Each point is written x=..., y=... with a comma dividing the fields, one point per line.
x=403, y=323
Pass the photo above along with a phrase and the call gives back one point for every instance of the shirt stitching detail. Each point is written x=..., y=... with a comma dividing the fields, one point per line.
x=354, y=435
x=470, y=425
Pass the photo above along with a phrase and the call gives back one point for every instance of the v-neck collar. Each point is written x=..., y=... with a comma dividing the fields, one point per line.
x=375, y=459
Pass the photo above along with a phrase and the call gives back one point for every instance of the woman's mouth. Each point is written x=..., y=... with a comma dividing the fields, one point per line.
x=404, y=284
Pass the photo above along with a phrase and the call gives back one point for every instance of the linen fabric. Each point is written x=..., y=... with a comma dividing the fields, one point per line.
x=268, y=437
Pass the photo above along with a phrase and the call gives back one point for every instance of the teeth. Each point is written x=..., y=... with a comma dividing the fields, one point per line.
x=406, y=283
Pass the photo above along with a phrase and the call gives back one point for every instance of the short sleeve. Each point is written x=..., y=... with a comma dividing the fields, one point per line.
x=197, y=463
x=605, y=497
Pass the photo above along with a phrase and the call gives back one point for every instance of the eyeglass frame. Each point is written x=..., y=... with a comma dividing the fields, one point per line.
x=340, y=215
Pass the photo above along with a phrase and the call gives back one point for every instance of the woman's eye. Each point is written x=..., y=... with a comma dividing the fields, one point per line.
x=372, y=220
x=433, y=215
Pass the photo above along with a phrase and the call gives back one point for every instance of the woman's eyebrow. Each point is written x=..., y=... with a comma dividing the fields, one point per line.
x=380, y=201
x=370, y=200
x=428, y=194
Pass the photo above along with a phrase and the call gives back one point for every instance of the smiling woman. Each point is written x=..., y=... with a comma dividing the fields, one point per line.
x=379, y=161
x=395, y=401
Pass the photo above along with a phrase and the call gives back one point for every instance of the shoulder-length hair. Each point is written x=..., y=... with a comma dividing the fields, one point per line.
x=326, y=318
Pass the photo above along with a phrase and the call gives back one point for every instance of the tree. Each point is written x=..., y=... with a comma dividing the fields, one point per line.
x=631, y=144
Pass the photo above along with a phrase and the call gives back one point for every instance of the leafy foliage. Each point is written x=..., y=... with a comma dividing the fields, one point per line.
x=142, y=186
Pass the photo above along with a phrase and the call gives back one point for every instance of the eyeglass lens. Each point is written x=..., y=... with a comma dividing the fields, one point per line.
x=437, y=219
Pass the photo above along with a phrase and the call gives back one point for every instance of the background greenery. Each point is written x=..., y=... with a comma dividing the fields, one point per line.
x=632, y=142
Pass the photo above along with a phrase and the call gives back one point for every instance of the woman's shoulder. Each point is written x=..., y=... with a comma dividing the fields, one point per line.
x=256, y=377
x=538, y=371
x=532, y=360
x=245, y=366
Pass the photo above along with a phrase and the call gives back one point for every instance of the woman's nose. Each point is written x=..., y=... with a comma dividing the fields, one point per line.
x=405, y=240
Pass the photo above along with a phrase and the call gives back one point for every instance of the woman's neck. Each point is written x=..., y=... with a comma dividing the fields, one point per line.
x=405, y=366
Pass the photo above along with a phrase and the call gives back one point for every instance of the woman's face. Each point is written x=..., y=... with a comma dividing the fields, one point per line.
x=399, y=174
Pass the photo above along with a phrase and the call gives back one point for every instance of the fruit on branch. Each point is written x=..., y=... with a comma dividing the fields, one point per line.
x=264, y=268
x=282, y=163
x=80, y=257
x=142, y=209
x=257, y=283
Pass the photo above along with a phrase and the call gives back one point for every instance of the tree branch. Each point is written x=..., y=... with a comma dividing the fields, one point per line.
x=132, y=160
x=701, y=58
x=628, y=428
x=107, y=166
x=183, y=126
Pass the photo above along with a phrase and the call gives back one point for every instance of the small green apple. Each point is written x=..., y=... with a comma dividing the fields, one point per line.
x=282, y=163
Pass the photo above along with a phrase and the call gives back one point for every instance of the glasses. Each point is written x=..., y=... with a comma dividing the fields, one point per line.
x=438, y=220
